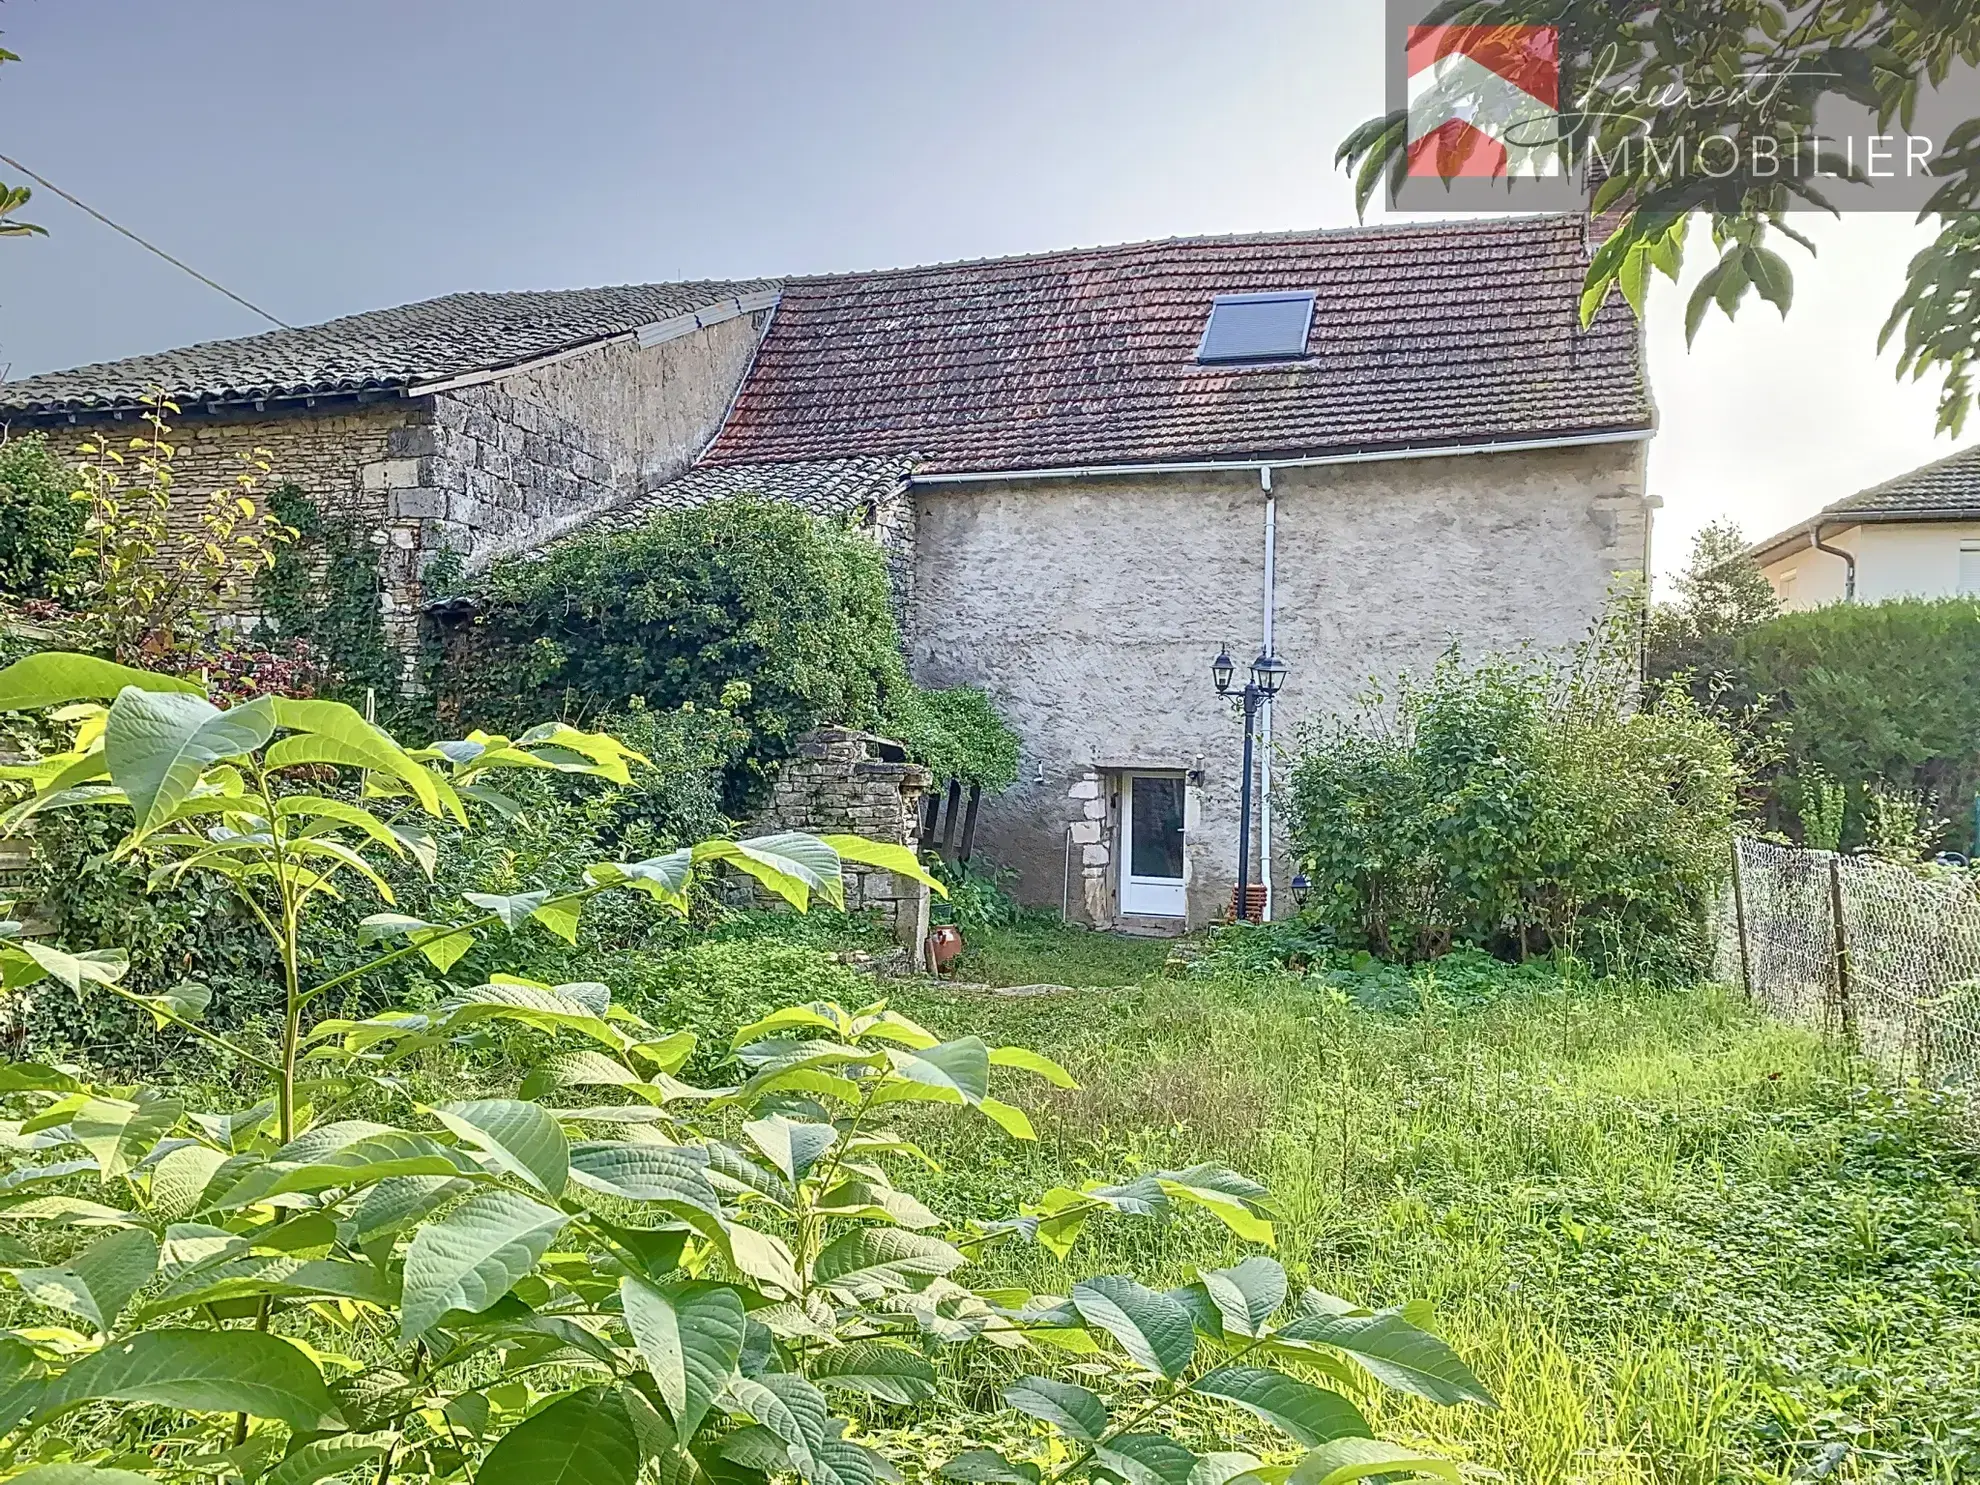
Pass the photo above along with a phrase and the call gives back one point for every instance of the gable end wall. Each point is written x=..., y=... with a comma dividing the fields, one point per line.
x=1090, y=610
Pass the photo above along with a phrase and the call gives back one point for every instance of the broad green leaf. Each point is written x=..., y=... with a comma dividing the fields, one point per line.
x=333, y=727
x=1396, y=1352
x=888, y=857
x=332, y=812
x=91, y=967
x=159, y=743
x=891, y=1373
x=99, y=1281
x=185, y=1001
x=791, y=1146
x=1248, y=1294
x=1152, y=1328
x=1312, y=1415
x=548, y=1010
x=665, y=1174
x=560, y=915
x=1227, y=1195
x=791, y=864
x=513, y=910
x=69, y=1211
x=791, y=1408
x=321, y=1458
x=764, y=1256
x=584, y=1438
x=1222, y=1468
x=690, y=1336
x=78, y=1474
x=203, y=1371
x=868, y=1199
x=791, y=1018
x=57, y=677
x=662, y=878
x=1032, y=1062
x=120, y=1134
x=473, y=1255
x=1146, y=1459
x=179, y=1181
x=669, y=1052
x=1007, y=1117
x=962, y=1066
x=364, y=1162
x=522, y=1138
x=1065, y=1405
x=396, y=1202
x=1344, y=1460
x=987, y=1467
x=869, y=1263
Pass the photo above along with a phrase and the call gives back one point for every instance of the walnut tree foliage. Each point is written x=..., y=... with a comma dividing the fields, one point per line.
x=1746, y=71
x=607, y=1274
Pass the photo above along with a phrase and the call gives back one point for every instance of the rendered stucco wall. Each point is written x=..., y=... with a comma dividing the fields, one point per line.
x=1090, y=611
x=1901, y=560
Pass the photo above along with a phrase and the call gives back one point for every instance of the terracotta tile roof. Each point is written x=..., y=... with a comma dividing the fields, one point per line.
x=1947, y=489
x=380, y=349
x=1422, y=335
x=825, y=487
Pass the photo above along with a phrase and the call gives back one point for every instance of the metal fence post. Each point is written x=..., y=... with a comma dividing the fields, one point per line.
x=1843, y=1005
x=1739, y=922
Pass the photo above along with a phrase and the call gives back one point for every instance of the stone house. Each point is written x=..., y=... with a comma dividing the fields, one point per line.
x=1914, y=536
x=1091, y=469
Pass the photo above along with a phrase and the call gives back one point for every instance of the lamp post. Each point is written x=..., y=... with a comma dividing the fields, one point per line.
x=1268, y=674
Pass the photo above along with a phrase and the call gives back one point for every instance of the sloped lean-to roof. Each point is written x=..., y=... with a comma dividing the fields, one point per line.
x=825, y=487
x=1422, y=336
x=1947, y=489
x=388, y=349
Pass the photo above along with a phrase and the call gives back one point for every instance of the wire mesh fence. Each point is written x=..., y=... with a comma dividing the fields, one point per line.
x=1885, y=955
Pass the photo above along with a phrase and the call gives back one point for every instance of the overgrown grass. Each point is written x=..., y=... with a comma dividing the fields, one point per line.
x=1043, y=953
x=1680, y=1242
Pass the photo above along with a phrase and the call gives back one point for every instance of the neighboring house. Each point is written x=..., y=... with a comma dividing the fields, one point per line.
x=1916, y=536
x=1091, y=469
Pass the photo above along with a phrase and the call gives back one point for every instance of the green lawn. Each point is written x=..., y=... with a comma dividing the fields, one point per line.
x=1680, y=1242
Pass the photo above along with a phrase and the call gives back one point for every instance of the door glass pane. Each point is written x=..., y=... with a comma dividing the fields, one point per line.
x=1157, y=817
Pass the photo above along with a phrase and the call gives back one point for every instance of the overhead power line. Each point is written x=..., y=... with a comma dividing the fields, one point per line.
x=218, y=288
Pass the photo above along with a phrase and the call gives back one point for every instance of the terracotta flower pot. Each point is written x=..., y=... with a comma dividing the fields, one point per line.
x=945, y=946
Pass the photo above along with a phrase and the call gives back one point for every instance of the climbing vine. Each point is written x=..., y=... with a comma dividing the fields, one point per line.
x=323, y=588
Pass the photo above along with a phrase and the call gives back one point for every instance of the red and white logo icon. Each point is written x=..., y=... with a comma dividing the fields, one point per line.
x=1484, y=101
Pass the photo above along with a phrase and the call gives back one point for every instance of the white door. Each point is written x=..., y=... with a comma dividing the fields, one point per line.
x=1152, y=845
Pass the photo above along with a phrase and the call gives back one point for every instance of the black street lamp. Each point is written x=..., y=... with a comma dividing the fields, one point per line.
x=1268, y=674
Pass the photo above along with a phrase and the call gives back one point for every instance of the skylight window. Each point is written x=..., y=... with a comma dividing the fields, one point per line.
x=1256, y=327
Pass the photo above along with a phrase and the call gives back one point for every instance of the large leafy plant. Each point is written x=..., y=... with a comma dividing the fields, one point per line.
x=611, y=1275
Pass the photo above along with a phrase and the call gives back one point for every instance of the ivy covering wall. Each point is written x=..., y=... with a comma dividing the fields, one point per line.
x=324, y=590
x=780, y=618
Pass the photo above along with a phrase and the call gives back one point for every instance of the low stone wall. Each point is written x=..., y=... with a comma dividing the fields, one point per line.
x=840, y=781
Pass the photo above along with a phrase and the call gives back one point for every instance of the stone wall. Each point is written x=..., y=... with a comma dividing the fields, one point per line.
x=840, y=781
x=481, y=470
x=515, y=462
x=1090, y=610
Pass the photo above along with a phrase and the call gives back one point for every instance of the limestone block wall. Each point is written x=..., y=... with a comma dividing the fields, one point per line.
x=1089, y=609
x=482, y=470
x=841, y=781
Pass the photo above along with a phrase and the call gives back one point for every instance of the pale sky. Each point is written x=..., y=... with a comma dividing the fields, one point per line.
x=331, y=158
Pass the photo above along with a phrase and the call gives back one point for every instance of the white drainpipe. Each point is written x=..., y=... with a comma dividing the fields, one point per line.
x=1265, y=718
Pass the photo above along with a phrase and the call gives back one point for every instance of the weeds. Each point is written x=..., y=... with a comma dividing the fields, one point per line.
x=1684, y=1244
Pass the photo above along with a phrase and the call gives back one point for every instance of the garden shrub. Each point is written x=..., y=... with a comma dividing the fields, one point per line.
x=1878, y=696
x=1860, y=697
x=39, y=522
x=1519, y=805
x=716, y=986
x=323, y=589
x=780, y=618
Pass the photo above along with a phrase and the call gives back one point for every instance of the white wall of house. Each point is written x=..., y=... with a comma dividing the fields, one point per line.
x=1090, y=610
x=1910, y=559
